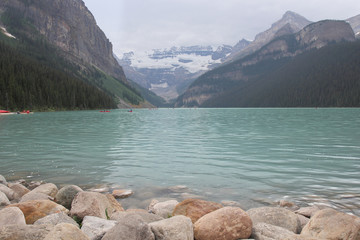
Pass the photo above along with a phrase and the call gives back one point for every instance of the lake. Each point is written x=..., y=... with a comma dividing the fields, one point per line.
x=251, y=156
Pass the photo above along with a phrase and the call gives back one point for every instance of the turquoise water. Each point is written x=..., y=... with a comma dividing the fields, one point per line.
x=252, y=156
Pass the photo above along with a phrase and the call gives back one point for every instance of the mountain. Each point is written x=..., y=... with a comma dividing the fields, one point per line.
x=69, y=29
x=291, y=22
x=355, y=24
x=168, y=72
x=275, y=55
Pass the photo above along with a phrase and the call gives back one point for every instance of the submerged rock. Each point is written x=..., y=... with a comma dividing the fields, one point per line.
x=228, y=223
x=119, y=194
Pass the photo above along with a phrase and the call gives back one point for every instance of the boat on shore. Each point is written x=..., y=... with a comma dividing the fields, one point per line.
x=5, y=112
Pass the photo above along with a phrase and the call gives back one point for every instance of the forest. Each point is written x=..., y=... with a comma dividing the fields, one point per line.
x=326, y=77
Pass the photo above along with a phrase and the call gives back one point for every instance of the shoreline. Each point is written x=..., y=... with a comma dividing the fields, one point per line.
x=99, y=213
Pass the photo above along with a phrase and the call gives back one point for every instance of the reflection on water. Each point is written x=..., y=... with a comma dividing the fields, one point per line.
x=251, y=156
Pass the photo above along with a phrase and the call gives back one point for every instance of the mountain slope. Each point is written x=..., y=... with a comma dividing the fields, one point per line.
x=268, y=59
x=70, y=28
x=291, y=22
x=355, y=24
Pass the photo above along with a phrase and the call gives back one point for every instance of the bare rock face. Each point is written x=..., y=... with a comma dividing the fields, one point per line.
x=175, y=228
x=276, y=216
x=34, y=210
x=228, y=223
x=332, y=225
x=94, y=204
x=195, y=208
x=69, y=25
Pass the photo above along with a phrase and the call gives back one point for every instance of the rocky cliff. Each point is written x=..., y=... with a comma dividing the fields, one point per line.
x=291, y=22
x=355, y=24
x=69, y=25
x=313, y=36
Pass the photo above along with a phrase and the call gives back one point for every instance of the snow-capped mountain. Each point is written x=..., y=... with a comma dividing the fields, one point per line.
x=168, y=72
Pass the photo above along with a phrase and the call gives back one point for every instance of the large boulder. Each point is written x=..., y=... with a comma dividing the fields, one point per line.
x=11, y=216
x=55, y=219
x=49, y=189
x=94, y=204
x=265, y=231
x=25, y=232
x=163, y=209
x=19, y=190
x=145, y=216
x=228, y=223
x=130, y=228
x=34, y=210
x=308, y=211
x=95, y=228
x=332, y=225
x=4, y=201
x=195, y=208
x=280, y=217
x=8, y=192
x=175, y=228
x=66, y=231
x=66, y=195
x=31, y=196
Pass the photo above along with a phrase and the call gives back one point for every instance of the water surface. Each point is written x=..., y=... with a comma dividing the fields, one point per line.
x=252, y=156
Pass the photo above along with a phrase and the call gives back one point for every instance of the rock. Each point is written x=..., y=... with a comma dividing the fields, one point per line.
x=227, y=203
x=8, y=192
x=195, y=208
x=55, y=219
x=228, y=223
x=4, y=201
x=49, y=189
x=308, y=211
x=145, y=216
x=66, y=231
x=24, y=232
x=34, y=210
x=288, y=205
x=275, y=216
x=331, y=224
x=30, y=196
x=19, y=190
x=66, y=195
x=130, y=228
x=265, y=231
x=3, y=180
x=94, y=204
x=103, y=189
x=163, y=209
x=175, y=228
x=303, y=221
x=122, y=193
x=11, y=216
x=34, y=184
x=178, y=189
x=95, y=228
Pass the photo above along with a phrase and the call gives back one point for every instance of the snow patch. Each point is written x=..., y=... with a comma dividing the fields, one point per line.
x=7, y=33
x=157, y=86
x=358, y=33
x=191, y=62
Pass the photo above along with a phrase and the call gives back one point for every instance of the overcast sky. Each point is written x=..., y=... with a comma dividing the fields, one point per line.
x=139, y=25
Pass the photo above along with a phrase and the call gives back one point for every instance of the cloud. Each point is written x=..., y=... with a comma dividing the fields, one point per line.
x=140, y=25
